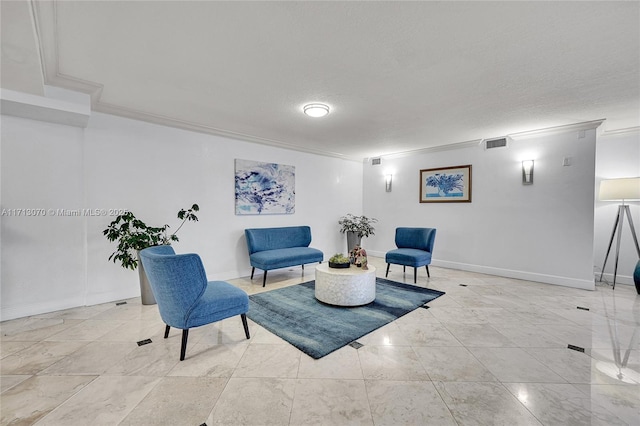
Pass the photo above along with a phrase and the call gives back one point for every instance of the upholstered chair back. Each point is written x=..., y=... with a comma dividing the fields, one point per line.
x=416, y=238
x=177, y=281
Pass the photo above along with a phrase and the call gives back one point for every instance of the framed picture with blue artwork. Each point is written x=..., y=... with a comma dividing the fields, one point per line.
x=264, y=188
x=446, y=185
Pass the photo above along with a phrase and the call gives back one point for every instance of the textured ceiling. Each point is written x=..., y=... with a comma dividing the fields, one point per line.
x=398, y=76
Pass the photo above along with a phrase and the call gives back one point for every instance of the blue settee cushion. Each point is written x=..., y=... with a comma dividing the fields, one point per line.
x=281, y=258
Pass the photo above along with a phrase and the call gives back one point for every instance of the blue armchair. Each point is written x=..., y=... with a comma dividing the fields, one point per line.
x=415, y=246
x=185, y=298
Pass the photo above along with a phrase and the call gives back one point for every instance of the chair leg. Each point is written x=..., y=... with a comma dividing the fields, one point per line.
x=404, y=269
x=246, y=326
x=415, y=275
x=428, y=274
x=166, y=332
x=183, y=349
x=302, y=268
x=387, y=274
x=253, y=269
x=264, y=279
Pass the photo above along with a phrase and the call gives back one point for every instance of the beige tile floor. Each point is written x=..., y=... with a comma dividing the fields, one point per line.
x=491, y=353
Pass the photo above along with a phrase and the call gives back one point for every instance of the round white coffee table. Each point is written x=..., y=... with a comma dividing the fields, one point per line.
x=345, y=286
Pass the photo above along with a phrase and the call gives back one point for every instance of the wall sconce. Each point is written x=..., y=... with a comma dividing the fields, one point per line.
x=527, y=172
x=387, y=182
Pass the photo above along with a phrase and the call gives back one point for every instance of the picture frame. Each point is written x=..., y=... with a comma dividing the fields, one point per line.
x=264, y=188
x=446, y=184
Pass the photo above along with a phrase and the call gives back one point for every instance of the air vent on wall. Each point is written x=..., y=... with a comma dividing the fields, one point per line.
x=495, y=143
x=375, y=161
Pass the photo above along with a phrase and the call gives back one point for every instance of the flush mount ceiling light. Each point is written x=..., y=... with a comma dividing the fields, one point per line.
x=316, y=110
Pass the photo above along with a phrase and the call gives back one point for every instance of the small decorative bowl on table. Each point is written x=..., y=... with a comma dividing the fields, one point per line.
x=338, y=260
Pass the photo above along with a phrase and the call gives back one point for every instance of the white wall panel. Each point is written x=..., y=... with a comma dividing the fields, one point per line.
x=43, y=249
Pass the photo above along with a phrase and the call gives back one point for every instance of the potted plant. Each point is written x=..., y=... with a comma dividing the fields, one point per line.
x=356, y=227
x=133, y=235
x=339, y=260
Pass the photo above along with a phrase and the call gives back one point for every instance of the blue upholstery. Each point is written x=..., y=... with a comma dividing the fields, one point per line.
x=185, y=298
x=415, y=246
x=275, y=248
x=636, y=277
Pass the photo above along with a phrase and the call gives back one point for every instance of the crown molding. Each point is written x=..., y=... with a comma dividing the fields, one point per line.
x=621, y=132
x=439, y=148
x=195, y=127
x=585, y=125
x=41, y=108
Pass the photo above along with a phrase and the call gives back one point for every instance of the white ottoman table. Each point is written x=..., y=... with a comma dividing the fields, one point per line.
x=345, y=286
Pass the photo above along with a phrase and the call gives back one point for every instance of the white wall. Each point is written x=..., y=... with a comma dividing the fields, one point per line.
x=617, y=156
x=43, y=256
x=51, y=263
x=541, y=232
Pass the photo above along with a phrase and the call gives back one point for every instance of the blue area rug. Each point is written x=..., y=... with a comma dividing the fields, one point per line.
x=317, y=329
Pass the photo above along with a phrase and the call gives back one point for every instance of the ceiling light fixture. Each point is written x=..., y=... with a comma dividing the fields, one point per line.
x=316, y=110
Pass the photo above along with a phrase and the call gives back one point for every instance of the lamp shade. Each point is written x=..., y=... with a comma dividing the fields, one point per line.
x=620, y=189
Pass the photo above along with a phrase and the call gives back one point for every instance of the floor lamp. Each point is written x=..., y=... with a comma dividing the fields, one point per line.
x=625, y=189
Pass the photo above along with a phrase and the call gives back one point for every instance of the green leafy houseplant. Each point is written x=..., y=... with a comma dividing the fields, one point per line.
x=133, y=235
x=361, y=225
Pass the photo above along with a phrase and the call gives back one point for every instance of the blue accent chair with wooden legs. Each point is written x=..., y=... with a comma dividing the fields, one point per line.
x=185, y=298
x=415, y=246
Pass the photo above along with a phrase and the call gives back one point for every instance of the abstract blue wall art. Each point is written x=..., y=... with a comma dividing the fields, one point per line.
x=446, y=184
x=265, y=188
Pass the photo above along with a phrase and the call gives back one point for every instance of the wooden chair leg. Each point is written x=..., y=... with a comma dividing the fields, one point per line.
x=264, y=279
x=183, y=349
x=404, y=269
x=166, y=332
x=253, y=269
x=387, y=274
x=246, y=326
x=428, y=274
x=415, y=275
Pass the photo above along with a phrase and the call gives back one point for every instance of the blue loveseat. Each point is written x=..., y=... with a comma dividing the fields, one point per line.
x=275, y=248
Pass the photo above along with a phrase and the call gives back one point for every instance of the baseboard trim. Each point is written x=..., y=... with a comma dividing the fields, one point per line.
x=521, y=275
x=13, y=312
x=509, y=273
x=620, y=279
x=100, y=298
